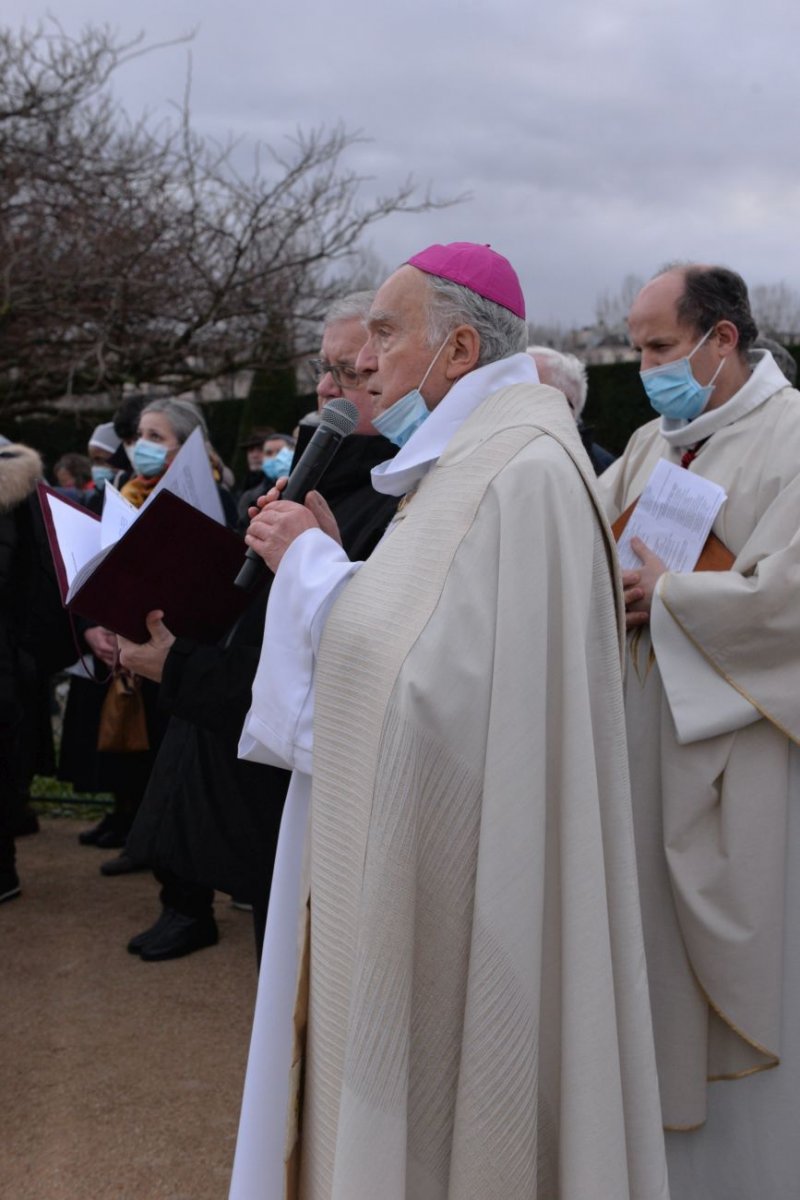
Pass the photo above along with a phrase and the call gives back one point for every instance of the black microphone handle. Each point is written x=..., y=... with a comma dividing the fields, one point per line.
x=312, y=464
x=304, y=478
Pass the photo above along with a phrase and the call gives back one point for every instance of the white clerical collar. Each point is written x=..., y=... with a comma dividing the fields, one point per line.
x=426, y=444
x=765, y=380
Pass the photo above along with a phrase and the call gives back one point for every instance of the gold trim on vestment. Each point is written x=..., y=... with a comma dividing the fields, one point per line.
x=743, y=1074
x=634, y=647
x=751, y=1042
x=684, y=1128
x=297, y=1072
x=758, y=707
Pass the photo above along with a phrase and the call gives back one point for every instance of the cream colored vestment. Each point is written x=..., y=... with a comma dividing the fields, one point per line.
x=478, y=1017
x=713, y=704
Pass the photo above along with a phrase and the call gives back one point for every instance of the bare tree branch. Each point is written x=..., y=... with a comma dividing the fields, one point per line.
x=136, y=252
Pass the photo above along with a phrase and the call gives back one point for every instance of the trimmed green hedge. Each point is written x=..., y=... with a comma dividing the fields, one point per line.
x=229, y=422
x=615, y=408
x=617, y=404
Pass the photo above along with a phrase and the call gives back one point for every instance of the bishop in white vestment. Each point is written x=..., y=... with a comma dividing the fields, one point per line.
x=458, y=827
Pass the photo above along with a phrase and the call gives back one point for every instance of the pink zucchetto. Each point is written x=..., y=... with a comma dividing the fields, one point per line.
x=476, y=267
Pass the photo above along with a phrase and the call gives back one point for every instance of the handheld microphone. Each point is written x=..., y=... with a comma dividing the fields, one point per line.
x=338, y=418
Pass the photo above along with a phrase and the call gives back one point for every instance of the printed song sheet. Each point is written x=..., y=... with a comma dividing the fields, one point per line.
x=673, y=518
x=77, y=533
x=118, y=516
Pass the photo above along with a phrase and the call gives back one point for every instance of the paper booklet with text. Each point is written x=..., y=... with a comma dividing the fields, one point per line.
x=673, y=517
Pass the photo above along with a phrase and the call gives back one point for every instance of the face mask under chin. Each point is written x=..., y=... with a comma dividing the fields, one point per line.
x=404, y=417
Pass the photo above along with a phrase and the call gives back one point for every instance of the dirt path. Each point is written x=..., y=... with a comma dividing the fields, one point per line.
x=118, y=1078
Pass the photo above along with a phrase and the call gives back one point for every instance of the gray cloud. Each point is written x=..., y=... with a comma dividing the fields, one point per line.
x=596, y=142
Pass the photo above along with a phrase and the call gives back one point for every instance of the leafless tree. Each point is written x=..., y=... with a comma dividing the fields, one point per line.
x=548, y=333
x=136, y=252
x=776, y=308
x=612, y=308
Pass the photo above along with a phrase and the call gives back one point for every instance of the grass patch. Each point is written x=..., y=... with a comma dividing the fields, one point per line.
x=56, y=798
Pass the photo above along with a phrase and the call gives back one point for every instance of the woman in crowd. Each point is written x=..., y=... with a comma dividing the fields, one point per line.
x=164, y=426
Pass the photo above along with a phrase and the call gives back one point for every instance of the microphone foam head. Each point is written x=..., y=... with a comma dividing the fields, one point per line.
x=341, y=415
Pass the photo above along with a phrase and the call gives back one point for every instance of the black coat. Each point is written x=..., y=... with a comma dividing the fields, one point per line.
x=35, y=636
x=207, y=816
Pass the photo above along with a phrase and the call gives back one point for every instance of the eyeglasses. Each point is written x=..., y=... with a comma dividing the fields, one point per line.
x=344, y=376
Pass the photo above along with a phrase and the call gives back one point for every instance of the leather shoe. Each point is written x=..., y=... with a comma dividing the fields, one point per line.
x=180, y=936
x=113, y=839
x=123, y=864
x=9, y=885
x=137, y=944
x=89, y=837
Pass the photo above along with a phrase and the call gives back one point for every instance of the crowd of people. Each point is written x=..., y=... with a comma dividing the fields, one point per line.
x=518, y=829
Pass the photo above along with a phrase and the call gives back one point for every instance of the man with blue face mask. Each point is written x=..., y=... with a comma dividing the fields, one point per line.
x=278, y=455
x=713, y=716
x=478, y=1021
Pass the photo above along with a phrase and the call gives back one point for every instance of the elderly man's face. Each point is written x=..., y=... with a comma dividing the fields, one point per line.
x=397, y=353
x=341, y=342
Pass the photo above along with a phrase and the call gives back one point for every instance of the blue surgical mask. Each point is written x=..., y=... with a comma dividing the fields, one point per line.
x=279, y=464
x=149, y=458
x=404, y=417
x=102, y=476
x=673, y=390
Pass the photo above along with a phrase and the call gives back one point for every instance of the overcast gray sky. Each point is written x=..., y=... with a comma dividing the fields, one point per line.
x=597, y=140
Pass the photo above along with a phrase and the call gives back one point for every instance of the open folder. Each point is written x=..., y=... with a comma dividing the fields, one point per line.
x=172, y=557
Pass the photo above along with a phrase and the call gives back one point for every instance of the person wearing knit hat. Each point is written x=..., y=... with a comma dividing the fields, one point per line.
x=105, y=439
x=103, y=445
x=469, y=1015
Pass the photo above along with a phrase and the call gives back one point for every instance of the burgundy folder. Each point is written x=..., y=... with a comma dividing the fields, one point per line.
x=172, y=558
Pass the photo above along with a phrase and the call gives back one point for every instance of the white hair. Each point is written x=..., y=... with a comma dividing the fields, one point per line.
x=500, y=331
x=562, y=371
x=356, y=306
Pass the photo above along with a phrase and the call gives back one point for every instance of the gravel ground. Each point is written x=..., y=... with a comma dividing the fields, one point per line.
x=118, y=1078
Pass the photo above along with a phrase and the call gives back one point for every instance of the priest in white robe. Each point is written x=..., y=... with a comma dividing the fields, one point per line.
x=712, y=698
x=468, y=1018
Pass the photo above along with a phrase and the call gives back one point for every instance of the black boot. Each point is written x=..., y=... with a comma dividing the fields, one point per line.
x=90, y=837
x=9, y=885
x=137, y=944
x=123, y=864
x=180, y=936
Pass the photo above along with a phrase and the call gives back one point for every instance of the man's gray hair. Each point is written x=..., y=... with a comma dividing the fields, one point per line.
x=501, y=333
x=183, y=415
x=565, y=372
x=348, y=308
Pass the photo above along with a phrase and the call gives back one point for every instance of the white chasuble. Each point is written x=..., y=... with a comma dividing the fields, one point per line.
x=478, y=1020
x=713, y=706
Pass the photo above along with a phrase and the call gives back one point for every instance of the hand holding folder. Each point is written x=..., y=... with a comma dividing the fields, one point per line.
x=715, y=555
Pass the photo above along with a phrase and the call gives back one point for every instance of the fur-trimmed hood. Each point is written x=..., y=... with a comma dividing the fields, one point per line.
x=20, y=469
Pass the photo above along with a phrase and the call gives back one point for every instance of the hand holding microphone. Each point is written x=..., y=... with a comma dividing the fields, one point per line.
x=280, y=521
